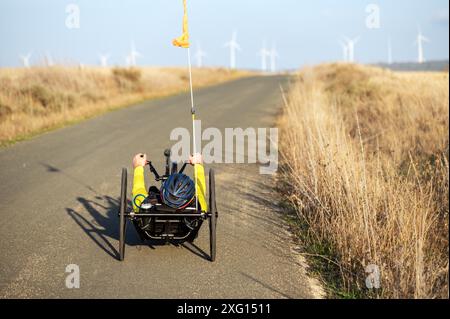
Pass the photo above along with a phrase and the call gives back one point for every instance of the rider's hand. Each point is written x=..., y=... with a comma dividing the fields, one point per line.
x=196, y=159
x=140, y=160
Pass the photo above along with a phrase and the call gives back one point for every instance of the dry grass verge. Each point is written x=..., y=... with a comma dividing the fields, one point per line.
x=365, y=165
x=42, y=98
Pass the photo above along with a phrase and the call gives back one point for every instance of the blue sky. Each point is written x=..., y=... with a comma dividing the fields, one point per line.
x=306, y=32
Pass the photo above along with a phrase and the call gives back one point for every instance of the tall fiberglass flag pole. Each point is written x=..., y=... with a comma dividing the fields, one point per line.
x=183, y=42
x=194, y=146
x=192, y=99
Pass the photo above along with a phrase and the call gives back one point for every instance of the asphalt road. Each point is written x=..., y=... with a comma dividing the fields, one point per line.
x=58, y=206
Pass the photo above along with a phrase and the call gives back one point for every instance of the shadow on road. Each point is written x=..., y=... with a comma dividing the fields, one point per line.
x=53, y=169
x=103, y=230
x=193, y=248
x=265, y=285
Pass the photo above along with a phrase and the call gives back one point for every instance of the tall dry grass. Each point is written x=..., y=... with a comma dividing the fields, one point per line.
x=365, y=165
x=41, y=98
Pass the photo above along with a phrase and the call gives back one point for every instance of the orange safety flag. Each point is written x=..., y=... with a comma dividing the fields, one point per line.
x=183, y=40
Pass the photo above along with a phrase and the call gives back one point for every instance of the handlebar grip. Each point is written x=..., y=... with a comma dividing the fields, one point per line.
x=183, y=167
x=153, y=170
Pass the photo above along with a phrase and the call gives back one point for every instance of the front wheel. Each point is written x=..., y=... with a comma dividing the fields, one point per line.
x=213, y=215
x=123, y=221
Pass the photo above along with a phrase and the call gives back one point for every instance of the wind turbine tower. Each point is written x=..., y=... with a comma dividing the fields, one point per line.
x=234, y=46
x=273, y=59
x=264, y=54
x=26, y=60
x=131, y=58
x=48, y=60
x=104, y=59
x=390, y=58
x=419, y=42
x=344, y=47
x=351, y=43
x=199, y=56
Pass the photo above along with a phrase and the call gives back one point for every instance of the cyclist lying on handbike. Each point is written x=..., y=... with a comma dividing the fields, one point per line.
x=177, y=191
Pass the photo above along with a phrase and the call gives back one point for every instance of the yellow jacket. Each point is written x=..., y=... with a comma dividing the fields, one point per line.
x=140, y=191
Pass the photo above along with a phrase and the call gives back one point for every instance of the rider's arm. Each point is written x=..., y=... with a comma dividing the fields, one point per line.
x=139, y=189
x=200, y=184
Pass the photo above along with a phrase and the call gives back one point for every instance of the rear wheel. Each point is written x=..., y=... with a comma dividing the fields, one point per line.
x=213, y=213
x=123, y=221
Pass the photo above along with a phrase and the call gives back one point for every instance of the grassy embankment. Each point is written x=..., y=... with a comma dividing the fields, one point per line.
x=40, y=99
x=365, y=171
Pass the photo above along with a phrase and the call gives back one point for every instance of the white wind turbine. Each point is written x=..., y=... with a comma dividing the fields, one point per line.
x=390, y=57
x=264, y=54
x=419, y=42
x=344, y=51
x=351, y=43
x=104, y=59
x=48, y=60
x=26, y=60
x=199, y=55
x=131, y=58
x=234, y=46
x=273, y=59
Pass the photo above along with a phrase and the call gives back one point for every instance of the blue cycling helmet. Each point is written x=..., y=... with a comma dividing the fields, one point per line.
x=178, y=191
